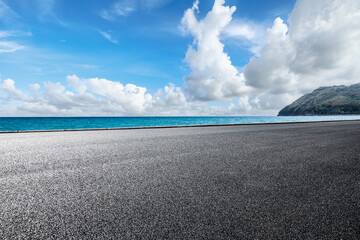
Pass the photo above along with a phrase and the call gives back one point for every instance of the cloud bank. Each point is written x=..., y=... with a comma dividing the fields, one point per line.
x=96, y=97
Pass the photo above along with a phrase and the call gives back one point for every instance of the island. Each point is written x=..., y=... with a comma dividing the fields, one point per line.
x=333, y=100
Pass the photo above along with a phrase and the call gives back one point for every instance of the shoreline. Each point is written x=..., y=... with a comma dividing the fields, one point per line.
x=173, y=126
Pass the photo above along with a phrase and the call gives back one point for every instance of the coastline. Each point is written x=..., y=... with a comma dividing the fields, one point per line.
x=174, y=126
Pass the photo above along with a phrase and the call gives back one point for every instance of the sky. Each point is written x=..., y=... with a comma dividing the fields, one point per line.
x=172, y=58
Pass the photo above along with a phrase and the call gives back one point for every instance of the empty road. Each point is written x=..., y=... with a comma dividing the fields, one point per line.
x=277, y=181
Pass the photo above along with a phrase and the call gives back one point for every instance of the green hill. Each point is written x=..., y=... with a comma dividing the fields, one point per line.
x=333, y=100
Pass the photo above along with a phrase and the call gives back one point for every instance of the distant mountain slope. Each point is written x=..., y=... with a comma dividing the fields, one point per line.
x=326, y=101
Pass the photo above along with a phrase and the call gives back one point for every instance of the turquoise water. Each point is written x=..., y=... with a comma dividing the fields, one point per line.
x=61, y=123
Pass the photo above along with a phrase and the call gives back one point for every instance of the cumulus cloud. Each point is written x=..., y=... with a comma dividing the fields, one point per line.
x=170, y=101
x=213, y=77
x=97, y=97
x=320, y=46
x=124, y=99
x=101, y=97
x=8, y=86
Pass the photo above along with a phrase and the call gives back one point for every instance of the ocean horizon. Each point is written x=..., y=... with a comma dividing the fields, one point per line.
x=9, y=124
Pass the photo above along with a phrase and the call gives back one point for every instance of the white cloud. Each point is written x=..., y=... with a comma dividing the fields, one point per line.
x=129, y=98
x=320, y=46
x=213, y=77
x=46, y=11
x=247, y=34
x=46, y=6
x=36, y=109
x=259, y=105
x=3, y=8
x=6, y=45
x=126, y=7
x=8, y=86
x=9, y=46
x=120, y=8
x=5, y=34
x=95, y=97
x=6, y=14
x=108, y=37
x=170, y=100
x=56, y=95
x=85, y=66
x=100, y=97
x=241, y=30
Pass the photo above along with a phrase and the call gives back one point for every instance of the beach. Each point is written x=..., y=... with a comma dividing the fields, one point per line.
x=272, y=181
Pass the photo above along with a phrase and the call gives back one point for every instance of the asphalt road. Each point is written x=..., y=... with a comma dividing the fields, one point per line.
x=288, y=181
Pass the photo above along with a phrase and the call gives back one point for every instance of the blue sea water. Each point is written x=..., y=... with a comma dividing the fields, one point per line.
x=64, y=123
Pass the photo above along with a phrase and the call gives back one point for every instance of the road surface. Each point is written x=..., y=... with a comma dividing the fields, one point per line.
x=277, y=181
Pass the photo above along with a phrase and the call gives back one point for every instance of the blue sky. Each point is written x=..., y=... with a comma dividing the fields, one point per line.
x=146, y=47
x=135, y=42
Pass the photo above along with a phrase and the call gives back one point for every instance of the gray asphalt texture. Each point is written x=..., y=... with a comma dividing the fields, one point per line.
x=281, y=181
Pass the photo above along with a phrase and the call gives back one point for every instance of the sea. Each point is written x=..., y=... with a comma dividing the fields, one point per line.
x=67, y=123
